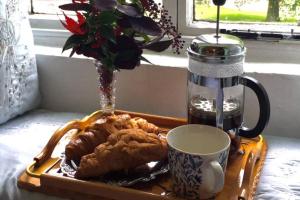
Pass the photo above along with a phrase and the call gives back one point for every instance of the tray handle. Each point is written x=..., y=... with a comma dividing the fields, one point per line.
x=45, y=154
x=76, y=124
x=246, y=174
x=247, y=171
x=58, y=134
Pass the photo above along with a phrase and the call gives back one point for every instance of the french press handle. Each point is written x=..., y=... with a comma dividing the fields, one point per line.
x=264, y=107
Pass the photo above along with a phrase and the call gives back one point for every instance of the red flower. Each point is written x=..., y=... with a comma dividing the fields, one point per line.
x=73, y=26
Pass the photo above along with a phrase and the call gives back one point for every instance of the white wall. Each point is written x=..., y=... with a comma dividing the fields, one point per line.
x=70, y=84
x=284, y=94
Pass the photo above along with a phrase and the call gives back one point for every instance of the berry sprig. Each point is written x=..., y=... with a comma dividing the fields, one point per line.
x=158, y=13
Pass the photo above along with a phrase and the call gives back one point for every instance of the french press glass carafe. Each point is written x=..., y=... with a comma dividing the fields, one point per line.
x=216, y=85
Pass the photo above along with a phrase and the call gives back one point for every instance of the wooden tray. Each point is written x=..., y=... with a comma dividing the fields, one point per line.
x=43, y=175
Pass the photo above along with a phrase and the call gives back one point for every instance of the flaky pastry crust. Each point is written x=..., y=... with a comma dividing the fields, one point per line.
x=85, y=142
x=126, y=149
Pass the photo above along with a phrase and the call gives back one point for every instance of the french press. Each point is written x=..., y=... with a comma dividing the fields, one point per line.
x=216, y=84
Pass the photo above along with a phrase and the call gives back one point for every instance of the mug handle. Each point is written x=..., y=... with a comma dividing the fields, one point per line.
x=264, y=107
x=216, y=175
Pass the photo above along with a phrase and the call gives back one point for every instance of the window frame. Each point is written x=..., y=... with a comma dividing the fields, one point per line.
x=185, y=22
x=188, y=27
x=51, y=21
x=48, y=31
x=258, y=51
x=182, y=15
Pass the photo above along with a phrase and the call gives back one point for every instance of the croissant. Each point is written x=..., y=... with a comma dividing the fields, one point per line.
x=124, y=121
x=146, y=126
x=126, y=149
x=85, y=142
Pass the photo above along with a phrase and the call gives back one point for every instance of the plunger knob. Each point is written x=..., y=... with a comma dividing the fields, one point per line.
x=219, y=2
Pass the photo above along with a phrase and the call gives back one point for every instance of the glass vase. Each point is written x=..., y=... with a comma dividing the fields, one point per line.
x=106, y=87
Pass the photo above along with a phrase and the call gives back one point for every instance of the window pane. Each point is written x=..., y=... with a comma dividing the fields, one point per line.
x=260, y=11
x=51, y=6
x=48, y=6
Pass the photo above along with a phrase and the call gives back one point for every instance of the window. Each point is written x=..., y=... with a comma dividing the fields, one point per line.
x=195, y=17
x=261, y=11
x=45, y=22
x=44, y=16
x=256, y=15
x=51, y=6
x=48, y=30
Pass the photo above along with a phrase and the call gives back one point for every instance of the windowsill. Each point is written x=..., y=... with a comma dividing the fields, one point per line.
x=43, y=17
x=181, y=61
x=46, y=22
x=264, y=27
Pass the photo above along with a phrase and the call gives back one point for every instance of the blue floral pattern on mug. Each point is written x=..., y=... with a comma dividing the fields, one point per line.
x=186, y=177
x=223, y=159
x=186, y=172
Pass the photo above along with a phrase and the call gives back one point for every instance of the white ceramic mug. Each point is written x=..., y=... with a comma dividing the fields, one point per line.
x=198, y=157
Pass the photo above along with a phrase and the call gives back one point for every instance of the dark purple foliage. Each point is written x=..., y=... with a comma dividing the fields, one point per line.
x=89, y=52
x=128, y=53
x=116, y=32
x=159, y=46
x=129, y=10
x=145, y=25
x=76, y=7
x=105, y=4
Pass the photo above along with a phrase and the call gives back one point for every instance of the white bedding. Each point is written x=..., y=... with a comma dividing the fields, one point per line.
x=20, y=140
x=280, y=179
x=24, y=137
